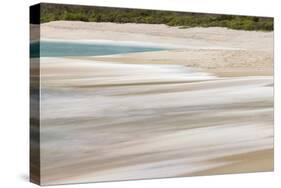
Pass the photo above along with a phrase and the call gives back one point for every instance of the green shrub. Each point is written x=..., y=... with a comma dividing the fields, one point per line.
x=52, y=12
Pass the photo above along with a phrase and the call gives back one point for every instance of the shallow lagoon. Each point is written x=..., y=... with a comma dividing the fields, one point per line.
x=61, y=49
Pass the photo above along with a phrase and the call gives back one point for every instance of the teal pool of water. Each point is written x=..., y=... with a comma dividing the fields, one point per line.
x=60, y=49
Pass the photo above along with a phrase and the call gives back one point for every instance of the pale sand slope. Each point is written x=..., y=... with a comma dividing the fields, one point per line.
x=102, y=121
x=160, y=34
x=222, y=51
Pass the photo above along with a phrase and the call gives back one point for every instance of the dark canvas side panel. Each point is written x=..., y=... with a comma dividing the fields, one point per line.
x=35, y=94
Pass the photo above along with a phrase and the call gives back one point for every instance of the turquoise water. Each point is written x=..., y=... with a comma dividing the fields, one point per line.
x=60, y=49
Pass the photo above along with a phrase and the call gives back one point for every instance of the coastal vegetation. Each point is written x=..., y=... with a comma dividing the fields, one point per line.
x=53, y=12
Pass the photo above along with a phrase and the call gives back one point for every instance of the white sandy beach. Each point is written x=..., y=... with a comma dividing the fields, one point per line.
x=203, y=107
x=219, y=50
x=160, y=34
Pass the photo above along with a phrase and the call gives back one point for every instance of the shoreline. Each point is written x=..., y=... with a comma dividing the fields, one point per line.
x=134, y=43
x=222, y=63
x=220, y=51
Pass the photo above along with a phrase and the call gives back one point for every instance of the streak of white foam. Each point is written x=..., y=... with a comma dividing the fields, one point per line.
x=112, y=72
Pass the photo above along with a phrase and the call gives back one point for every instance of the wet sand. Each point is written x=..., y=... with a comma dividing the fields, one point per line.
x=258, y=161
x=137, y=126
x=173, y=113
x=221, y=62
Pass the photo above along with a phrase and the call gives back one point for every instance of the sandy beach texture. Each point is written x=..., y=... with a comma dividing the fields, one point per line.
x=202, y=107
